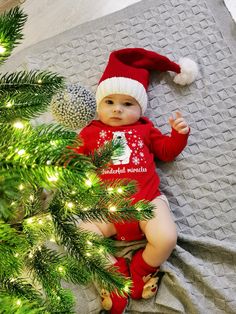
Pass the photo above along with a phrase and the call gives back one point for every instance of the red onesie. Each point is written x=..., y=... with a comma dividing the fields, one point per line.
x=142, y=142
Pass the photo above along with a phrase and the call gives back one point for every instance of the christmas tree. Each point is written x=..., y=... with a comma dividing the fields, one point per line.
x=45, y=190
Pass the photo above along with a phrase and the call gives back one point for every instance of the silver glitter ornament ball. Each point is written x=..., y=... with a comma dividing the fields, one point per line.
x=73, y=107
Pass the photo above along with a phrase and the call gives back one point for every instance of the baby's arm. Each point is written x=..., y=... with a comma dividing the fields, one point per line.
x=166, y=148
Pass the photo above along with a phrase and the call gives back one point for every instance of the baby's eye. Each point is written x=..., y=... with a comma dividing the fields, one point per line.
x=109, y=102
x=128, y=104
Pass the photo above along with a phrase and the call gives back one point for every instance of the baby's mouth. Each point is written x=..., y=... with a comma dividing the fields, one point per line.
x=115, y=118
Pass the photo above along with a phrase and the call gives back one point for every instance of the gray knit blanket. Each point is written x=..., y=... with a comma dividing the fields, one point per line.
x=200, y=275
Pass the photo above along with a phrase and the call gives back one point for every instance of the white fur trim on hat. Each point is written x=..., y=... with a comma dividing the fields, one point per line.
x=122, y=85
x=189, y=72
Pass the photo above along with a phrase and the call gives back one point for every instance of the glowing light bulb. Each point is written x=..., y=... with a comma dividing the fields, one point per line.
x=101, y=250
x=39, y=81
x=31, y=197
x=21, y=187
x=52, y=240
x=2, y=49
x=88, y=183
x=112, y=209
x=126, y=288
x=120, y=190
x=18, y=302
x=16, y=255
x=53, y=143
x=138, y=209
x=110, y=190
x=70, y=205
x=61, y=269
x=21, y=152
x=88, y=254
x=85, y=209
x=9, y=104
x=18, y=125
x=30, y=255
x=29, y=220
x=49, y=217
x=52, y=179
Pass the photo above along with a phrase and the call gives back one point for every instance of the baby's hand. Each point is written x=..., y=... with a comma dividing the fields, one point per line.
x=179, y=124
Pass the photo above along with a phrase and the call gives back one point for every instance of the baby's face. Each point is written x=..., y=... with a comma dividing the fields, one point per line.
x=118, y=110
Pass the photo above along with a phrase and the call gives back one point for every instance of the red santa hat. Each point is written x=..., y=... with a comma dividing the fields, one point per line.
x=128, y=70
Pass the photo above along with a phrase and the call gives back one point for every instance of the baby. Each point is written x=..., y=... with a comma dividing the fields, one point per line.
x=121, y=102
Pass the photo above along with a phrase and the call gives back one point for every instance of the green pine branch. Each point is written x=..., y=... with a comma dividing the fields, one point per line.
x=11, y=304
x=80, y=245
x=101, y=157
x=13, y=244
x=11, y=26
x=25, y=94
x=23, y=290
x=46, y=190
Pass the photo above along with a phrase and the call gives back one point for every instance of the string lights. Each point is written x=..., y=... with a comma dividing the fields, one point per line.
x=112, y=208
x=9, y=104
x=18, y=125
x=21, y=152
x=70, y=205
x=53, y=178
x=2, y=49
x=21, y=187
x=88, y=183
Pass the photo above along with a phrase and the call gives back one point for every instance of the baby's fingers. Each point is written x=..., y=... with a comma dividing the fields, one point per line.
x=171, y=121
x=183, y=127
x=178, y=115
x=181, y=124
x=177, y=122
x=184, y=130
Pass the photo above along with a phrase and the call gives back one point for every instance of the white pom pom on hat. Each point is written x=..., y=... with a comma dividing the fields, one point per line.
x=188, y=72
x=128, y=71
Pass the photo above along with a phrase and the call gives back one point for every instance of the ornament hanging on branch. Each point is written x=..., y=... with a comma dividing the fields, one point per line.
x=74, y=107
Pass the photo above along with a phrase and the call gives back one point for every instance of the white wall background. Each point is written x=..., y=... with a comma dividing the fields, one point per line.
x=231, y=5
x=46, y=18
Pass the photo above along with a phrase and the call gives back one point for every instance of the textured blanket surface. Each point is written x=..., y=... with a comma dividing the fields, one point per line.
x=200, y=275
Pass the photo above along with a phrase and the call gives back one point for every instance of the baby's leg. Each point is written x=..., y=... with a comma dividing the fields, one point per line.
x=111, y=302
x=104, y=229
x=161, y=238
x=160, y=232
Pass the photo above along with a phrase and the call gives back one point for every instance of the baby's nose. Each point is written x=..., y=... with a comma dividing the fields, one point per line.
x=117, y=108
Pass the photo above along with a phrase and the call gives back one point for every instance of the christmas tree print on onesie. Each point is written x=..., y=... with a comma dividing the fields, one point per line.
x=133, y=151
x=124, y=158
